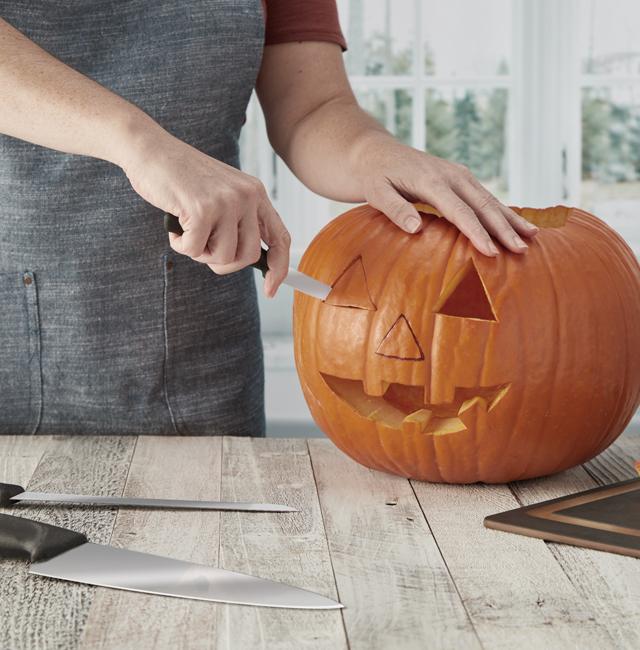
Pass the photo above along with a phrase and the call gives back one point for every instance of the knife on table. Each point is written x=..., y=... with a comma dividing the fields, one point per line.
x=10, y=495
x=296, y=279
x=67, y=555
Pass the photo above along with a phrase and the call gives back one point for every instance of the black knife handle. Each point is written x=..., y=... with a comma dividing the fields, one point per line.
x=31, y=540
x=172, y=224
x=8, y=490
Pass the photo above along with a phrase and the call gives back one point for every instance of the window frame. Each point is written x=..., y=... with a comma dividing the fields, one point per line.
x=544, y=121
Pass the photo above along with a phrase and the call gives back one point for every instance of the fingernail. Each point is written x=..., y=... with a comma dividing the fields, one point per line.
x=532, y=227
x=412, y=224
x=518, y=242
x=492, y=247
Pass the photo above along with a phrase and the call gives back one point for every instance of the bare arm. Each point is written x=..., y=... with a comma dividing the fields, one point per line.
x=339, y=151
x=48, y=103
x=224, y=212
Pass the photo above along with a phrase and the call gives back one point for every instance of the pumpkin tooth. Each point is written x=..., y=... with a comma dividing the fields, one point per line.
x=375, y=388
x=388, y=414
x=498, y=396
x=417, y=421
x=473, y=411
x=473, y=403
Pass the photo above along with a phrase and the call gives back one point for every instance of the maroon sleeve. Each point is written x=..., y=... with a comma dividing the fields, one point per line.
x=302, y=20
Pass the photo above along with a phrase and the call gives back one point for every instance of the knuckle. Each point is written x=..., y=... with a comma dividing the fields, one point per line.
x=438, y=185
x=464, y=214
x=201, y=207
x=256, y=186
x=254, y=256
x=219, y=269
x=191, y=250
x=228, y=195
x=377, y=192
x=224, y=258
x=461, y=170
x=244, y=191
x=488, y=200
x=397, y=211
x=285, y=237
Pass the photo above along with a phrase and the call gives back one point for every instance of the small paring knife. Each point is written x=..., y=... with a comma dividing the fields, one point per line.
x=67, y=555
x=11, y=495
x=300, y=281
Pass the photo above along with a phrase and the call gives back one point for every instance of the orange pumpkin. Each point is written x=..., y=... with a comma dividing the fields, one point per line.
x=434, y=362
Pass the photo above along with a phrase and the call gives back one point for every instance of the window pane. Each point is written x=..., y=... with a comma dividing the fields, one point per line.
x=379, y=36
x=611, y=157
x=463, y=38
x=469, y=126
x=609, y=36
x=392, y=108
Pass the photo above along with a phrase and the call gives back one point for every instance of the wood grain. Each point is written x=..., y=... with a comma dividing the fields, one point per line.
x=19, y=457
x=389, y=572
x=163, y=467
x=38, y=612
x=288, y=547
x=407, y=581
x=516, y=593
x=609, y=583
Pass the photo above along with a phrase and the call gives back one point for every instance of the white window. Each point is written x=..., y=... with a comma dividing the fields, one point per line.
x=540, y=98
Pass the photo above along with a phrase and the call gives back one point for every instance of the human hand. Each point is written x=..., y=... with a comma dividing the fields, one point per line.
x=394, y=175
x=224, y=213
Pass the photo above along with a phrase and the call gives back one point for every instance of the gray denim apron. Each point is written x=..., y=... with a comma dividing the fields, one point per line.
x=103, y=329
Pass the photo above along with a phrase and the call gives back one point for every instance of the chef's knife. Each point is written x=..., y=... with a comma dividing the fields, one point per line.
x=295, y=279
x=11, y=494
x=67, y=555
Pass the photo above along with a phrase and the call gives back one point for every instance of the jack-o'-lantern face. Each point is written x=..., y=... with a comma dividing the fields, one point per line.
x=403, y=406
x=429, y=360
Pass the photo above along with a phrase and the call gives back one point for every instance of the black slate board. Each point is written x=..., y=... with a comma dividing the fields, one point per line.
x=605, y=518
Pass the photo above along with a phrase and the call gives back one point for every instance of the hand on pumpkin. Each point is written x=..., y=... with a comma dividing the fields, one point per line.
x=224, y=212
x=396, y=175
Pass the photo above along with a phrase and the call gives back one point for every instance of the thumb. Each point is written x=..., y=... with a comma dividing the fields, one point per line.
x=396, y=208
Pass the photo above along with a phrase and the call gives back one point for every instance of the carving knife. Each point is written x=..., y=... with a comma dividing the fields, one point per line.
x=67, y=555
x=296, y=279
x=11, y=494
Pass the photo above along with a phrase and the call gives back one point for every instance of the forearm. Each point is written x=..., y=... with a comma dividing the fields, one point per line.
x=48, y=103
x=331, y=148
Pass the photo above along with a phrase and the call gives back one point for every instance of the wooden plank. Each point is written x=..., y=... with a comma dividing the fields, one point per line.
x=516, y=593
x=609, y=583
x=38, y=612
x=19, y=457
x=163, y=467
x=616, y=463
x=390, y=574
x=288, y=547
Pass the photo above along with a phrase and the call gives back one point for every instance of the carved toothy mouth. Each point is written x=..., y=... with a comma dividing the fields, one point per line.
x=402, y=407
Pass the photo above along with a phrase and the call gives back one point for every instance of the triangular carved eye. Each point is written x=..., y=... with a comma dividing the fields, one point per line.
x=351, y=289
x=465, y=296
x=400, y=342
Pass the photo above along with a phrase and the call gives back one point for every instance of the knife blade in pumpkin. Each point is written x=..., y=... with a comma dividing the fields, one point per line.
x=296, y=279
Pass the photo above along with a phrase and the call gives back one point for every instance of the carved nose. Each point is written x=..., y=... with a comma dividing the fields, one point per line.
x=400, y=342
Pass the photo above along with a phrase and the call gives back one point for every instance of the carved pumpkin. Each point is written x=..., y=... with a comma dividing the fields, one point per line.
x=434, y=362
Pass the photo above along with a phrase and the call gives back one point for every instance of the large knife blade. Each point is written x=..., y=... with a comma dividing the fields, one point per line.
x=13, y=494
x=295, y=279
x=67, y=555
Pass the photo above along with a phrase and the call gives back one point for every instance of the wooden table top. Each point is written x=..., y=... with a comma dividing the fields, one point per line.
x=411, y=562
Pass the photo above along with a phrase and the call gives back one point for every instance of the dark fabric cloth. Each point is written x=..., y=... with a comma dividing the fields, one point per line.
x=302, y=20
x=103, y=329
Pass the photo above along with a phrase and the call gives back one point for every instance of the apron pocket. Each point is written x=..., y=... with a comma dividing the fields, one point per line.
x=20, y=371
